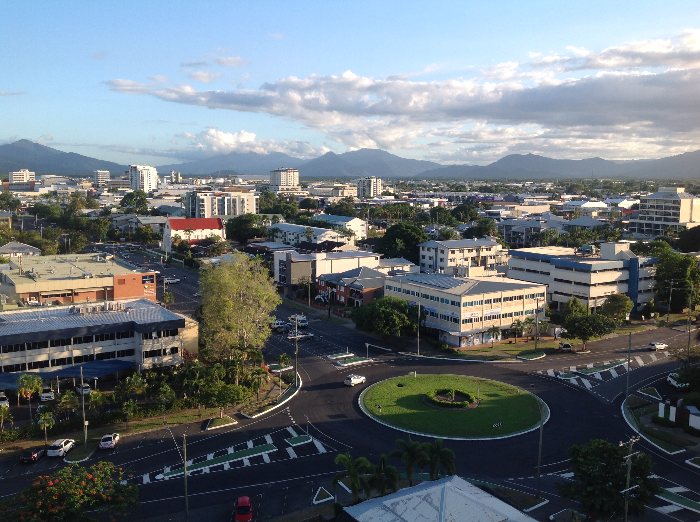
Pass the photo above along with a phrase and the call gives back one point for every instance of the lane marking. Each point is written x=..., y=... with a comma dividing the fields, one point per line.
x=292, y=453
x=679, y=489
x=639, y=360
x=587, y=383
x=550, y=373
x=613, y=373
x=246, y=462
x=146, y=478
x=319, y=446
x=291, y=431
x=266, y=458
x=653, y=357
x=598, y=376
x=250, y=443
x=268, y=439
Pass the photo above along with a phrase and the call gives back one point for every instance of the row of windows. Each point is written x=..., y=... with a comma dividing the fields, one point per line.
x=158, y=335
x=66, y=361
x=118, y=354
x=160, y=352
x=53, y=343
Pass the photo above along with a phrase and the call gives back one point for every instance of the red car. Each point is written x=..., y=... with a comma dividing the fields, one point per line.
x=243, y=511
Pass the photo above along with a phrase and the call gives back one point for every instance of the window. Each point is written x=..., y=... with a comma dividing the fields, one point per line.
x=35, y=365
x=37, y=345
x=99, y=338
x=388, y=287
x=487, y=301
x=83, y=358
x=478, y=303
x=125, y=335
x=125, y=353
x=442, y=259
x=430, y=258
x=425, y=296
x=147, y=279
x=442, y=251
x=423, y=256
x=467, y=321
x=60, y=342
x=496, y=300
x=529, y=312
x=105, y=355
x=86, y=339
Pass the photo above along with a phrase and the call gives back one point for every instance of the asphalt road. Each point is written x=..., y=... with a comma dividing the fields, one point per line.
x=285, y=481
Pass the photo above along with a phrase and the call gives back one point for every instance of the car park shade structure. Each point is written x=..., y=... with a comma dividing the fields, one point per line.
x=91, y=370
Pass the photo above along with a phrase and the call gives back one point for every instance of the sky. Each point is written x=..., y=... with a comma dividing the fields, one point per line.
x=462, y=82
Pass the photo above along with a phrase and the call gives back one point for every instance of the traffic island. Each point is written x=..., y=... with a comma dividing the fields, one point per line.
x=479, y=409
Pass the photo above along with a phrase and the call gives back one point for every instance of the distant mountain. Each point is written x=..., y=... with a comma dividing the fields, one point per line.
x=25, y=154
x=249, y=163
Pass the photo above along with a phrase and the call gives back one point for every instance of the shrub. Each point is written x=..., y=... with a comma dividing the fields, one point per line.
x=662, y=422
x=432, y=397
x=692, y=431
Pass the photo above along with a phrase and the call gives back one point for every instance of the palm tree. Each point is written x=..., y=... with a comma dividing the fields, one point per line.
x=5, y=415
x=439, y=456
x=257, y=376
x=356, y=471
x=412, y=454
x=96, y=399
x=517, y=327
x=67, y=402
x=47, y=422
x=28, y=385
x=529, y=324
x=384, y=477
x=494, y=331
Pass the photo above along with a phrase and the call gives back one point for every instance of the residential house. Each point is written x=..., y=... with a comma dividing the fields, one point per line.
x=294, y=234
x=15, y=249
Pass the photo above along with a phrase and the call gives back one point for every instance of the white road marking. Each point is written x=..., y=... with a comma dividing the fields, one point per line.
x=205, y=470
x=268, y=439
x=146, y=479
x=230, y=450
x=572, y=369
x=550, y=373
x=227, y=466
x=210, y=456
x=679, y=489
x=166, y=469
x=653, y=357
x=597, y=376
x=292, y=453
x=613, y=373
x=589, y=365
x=250, y=443
x=266, y=458
x=639, y=360
x=668, y=509
x=319, y=446
x=566, y=475
x=605, y=363
x=587, y=383
x=291, y=431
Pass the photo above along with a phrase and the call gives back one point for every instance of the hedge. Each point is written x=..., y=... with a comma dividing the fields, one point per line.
x=662, y=421
x=464, y=404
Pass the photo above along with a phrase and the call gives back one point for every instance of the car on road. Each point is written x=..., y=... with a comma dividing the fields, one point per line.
x=300, y=336
x=565, y=347
x=47, y=394
x=672, y=379
x=657, y=346
x=243, y=510
x=32, y=454
x=109, y=441
x=171, y=280
x=83, y=390
x=4, y=400
x=352, y=379
x=60, y=447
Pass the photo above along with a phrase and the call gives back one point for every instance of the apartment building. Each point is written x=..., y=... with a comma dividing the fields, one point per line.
x=22, y=176
x=143, y=177
x=283, y=177
x=356, y=225
x=461, y=310
x=369, y=187
x=294, y=234
x=100, y=177
x=670, y=207
x=592, y=279
x=290, y=266
x=353, y=288
x=136, y=331
x=445, y=257
x=230, y=203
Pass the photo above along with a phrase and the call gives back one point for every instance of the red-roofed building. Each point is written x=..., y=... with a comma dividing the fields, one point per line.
x=192, y=230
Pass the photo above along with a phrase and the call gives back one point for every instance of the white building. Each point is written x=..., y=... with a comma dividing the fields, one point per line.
x=357, y=225
x=23, y=176
x=285, y=181
x=670, y=207
x=369, y=187
x=143, y=177
x=215, y=204
x=192, y=230
x=448, y=257
x=100, y=177
x=289, y=234
x=586, y=208
x=592, y=279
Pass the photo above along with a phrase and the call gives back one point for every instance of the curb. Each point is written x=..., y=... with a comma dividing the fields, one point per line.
x=82, y=460
x=276, y=405
x=531, y=358
x=691, y=464
x=450, y=359
x=636, y=430
x=217, y=427
x=433, y=436
x=535, y=507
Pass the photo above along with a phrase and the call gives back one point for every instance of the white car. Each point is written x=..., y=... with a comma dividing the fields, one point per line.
x=109, y=441
x=60, y=447
x=171, y=280
x=300, y=336
x=657, y=346
x=4, y=400
x=673, y=381
x=47, y=394
x=84, y=391
x=279, y=324
x=352, y=379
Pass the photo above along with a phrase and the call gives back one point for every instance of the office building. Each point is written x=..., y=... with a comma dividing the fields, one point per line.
x=143, y=177
x=100, y=178
x=175, y=177
x=461, y=310
x=670, y=207
x=23, y=176
x=447, y=257
x=568, y=272
x=369, y=187
x=284, y=177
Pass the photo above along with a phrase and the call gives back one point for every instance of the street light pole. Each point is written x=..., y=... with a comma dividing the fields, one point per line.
x=82, y=395
x=418, y=345
x=668, y=312
x=628, y=458
x=184, y=460
x=629, y=357
x=296, y=351
x=539, y=454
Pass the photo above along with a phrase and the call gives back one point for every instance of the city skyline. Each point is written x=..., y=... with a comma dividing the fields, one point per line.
x=454, y=84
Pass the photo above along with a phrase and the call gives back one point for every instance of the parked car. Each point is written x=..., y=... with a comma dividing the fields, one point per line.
x=197, y=294
x=171, y=280
x=673, y=381
x=657, y=346
x=32, y=455
x=302, y=323
x=352, y=379
x=47, y=394
x=298, y=317
x=60, y=447
x=109, y=441
x=283, y=329
x=279, y=323
x=300, y=336
x=565, y=347
x=243, y=510
x=85, y=390
x=4, y=400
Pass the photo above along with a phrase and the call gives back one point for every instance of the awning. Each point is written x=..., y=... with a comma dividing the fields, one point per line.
x=91, y=370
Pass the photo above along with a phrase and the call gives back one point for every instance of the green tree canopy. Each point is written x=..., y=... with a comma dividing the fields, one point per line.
x=402, y=240
x=309, y=204
x=386, y=316
x=617, y=307
x=484, y=227
x=145, y=235
x=689, y=240
x=573, y=307
x=600, y=474
x=344, y=207
x=651, y=248
x=441, y=216
x=244, y=227
x=136, y=201
x=465, y=212
x=680, y=271
x=587, y=327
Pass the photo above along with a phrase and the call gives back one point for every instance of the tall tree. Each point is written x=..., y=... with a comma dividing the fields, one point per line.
x=384, y=477
x=46, y=421
x=573, y=307
x=402, y=240
x=28, y=385
x=600, y=476
x=676, y=274
x=495, y=333
x=136, y=201
x=412, y=454
x=617, y=307
x=356, y=471
x=587, y=327
x=238, y=299
x=5, y=415
x=344, y=207
x=439, y=457
x=387, y=316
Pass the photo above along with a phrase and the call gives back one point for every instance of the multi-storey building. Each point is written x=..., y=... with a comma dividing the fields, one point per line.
x=284, y=177
x=448, y=256
x=357, y=225
x=462, y=310
x=369, y=187
x=135, y=331
x=100, y=177
x=192, y=230
x=592, y=279
x=233, y=202
x=670, y=207
x=143, y=177
x=289, y=234
x=23, y=176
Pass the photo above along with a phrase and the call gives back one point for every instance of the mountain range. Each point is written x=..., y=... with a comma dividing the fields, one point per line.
x=359, y=163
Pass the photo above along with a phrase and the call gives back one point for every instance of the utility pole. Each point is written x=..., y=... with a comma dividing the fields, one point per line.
x=628, y=458
x=184, y=460
x=418, y=346
x=668, y=313
x=296, y=351
x=82, y=395
x=537, y=323
x=629, y=356
x=690, y=307
x=539, y=453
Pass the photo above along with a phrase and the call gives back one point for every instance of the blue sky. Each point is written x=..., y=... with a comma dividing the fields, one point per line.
x=452, y=82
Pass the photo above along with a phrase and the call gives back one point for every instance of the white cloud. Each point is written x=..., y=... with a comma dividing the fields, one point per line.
x=230, y=61
x=502, y=71
x=12, y=93
x=195, y=65
x=47, y=137
x=204, y=76
x=159, y=78
x=212, y=142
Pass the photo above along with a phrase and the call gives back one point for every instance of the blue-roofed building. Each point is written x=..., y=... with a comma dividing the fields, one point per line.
x=52, y=337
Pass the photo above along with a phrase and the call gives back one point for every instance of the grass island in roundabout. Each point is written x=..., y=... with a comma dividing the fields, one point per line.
x=453, y=406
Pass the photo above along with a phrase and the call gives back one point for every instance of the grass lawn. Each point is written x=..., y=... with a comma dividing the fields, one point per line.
x=79, y=452
x=651, y=391
x=633, y=401
x=401, y=401
x=216, y=422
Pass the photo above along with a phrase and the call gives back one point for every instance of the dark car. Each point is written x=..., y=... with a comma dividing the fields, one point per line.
x=32, y=455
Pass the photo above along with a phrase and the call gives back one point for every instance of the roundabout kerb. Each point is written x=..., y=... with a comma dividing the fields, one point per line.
x=545, y=410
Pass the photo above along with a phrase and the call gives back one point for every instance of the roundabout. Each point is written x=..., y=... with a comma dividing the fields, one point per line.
x=453, y=407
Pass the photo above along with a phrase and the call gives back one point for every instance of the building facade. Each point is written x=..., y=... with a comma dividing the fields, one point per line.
x=192, y=230
x=591, y=279
x=23, y=176
x=462, y=310
x=356, y=287
x=294, y=234
x=357, y=225
x=136, y=331
x=670, y=207
x=446, y=257
x=369, y=187
x=100, y=177
x=143, y=177
x=213, y=204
